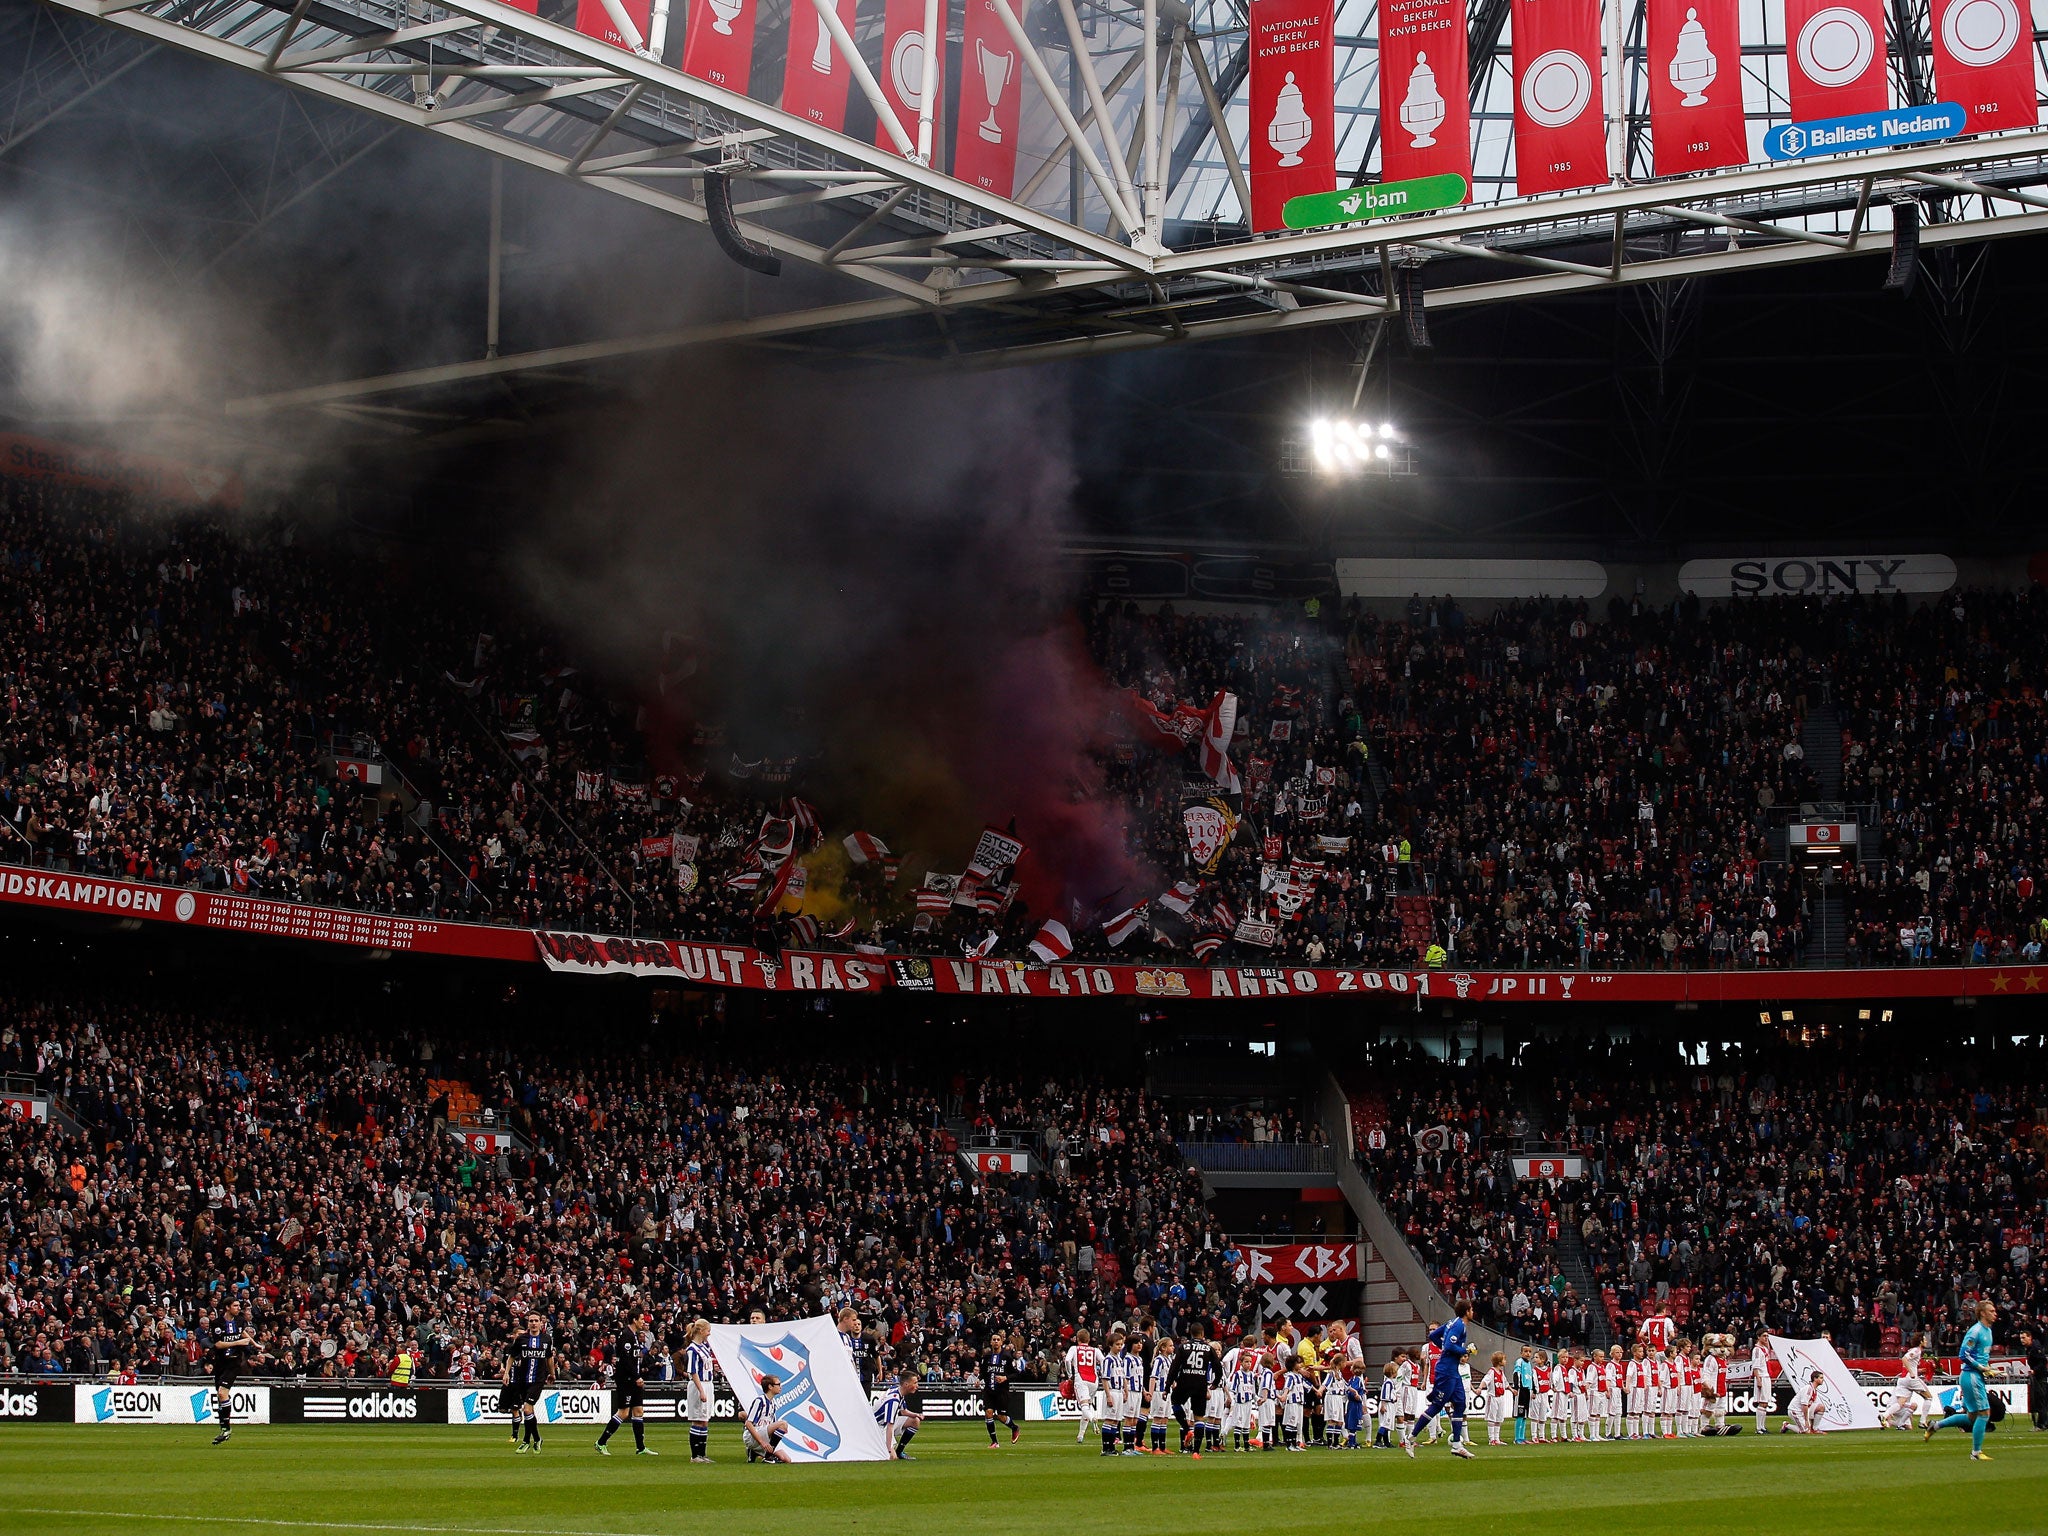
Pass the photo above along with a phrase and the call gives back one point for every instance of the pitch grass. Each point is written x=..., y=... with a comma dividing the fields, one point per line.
x=60, y=1481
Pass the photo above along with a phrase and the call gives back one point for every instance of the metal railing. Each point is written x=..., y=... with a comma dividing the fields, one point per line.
x=1258, y=1156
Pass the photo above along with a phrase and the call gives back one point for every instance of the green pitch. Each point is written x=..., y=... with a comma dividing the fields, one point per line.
x=468, y=1482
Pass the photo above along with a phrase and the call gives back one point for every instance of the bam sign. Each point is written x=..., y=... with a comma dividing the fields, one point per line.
x=1818, y=575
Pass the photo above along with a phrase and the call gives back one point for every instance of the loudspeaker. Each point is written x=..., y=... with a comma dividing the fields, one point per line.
x=725, y=229
x=1905, y=248
x=1409, y=286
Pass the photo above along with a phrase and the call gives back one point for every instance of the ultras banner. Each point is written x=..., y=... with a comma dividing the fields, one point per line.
x=719, y=44
x=1425, y=115
x=1696, y=85
x=1560, y=127
x=991, y=88
x=815, y=78
x=817, y=1392
x=1984, y=62
x=1835, y=57
x=1293, y=104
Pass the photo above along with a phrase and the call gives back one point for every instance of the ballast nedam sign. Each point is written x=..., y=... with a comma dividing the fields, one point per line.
x=1818, y=575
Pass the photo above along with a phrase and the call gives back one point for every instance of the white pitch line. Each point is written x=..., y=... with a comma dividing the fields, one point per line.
x=279, y=1522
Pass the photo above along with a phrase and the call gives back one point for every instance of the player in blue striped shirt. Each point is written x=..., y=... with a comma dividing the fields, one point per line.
x=1160, y=1401
x=764, y=1429
x=700, y=1368
x=897, y=1421
x=1974, y=1412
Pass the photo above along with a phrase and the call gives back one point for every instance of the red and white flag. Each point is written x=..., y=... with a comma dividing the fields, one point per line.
x=905, y=70
x=1219, y=725
x=1207, y=945
x=1124, y=924
x=992, y=77
x=589, y=786
x=814, y=77
x=1181, y=898
x=865, y=848
x=804, y=817
x=1293, y=104
x=982, y=948
x=1835, y=57
x=1053, y=943
x=1560, y=127
x=1984, y=60
x=594, y=20
x=1425, y=110
x=1696, y=85
x=719, y=44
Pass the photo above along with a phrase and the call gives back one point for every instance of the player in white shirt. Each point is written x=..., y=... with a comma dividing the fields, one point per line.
x=1636, y=1383
x=1336, y=1403
x=1714, y=1385
x=1667, y=1396
x=1500, y=1398
x=1656, y=1332
x=1084, y=1370
x=1760, y=1394
x=1244, y=1396
x=1809, y=1407
x=1269, y=1402
x=1539, y=1401
x=1617, y=1401
x=1122, y=1399
x=1913, y=1398
x=1585, y=1384
x=1160, y=1396
x=1561, y=1396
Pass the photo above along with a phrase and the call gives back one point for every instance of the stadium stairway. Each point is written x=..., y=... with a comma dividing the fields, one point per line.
x=1821, y=738
x=1573, y=1265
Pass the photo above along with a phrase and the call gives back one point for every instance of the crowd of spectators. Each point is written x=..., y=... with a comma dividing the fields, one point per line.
x=200, y=702
x=305, y=1165
x=1863, y=1189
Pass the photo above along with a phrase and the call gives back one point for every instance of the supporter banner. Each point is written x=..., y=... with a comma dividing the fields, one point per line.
x=1425, y=112
x=593, y=20
x=1984, y=62
x=818, y=1391
x=1824, y=834
x=719, y=46
x=1817, y=575
x=168, y=1403
x=38, y=1404
x=814, y=77
x=725, y=965
x=985, y=143
x=1848, y=1405
x=1300, y=1263
x=905, y=70
x=24, y=1108
x=1551, y=1167
x=483, y=1143
x=1835, y=57
x=1696, y=85
x=1293, y=104
x=100, y=469
x=1560, y=126
x=996, y=1162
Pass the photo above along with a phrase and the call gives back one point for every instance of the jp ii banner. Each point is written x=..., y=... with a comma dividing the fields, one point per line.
x=1293, y=104
x=1696, y=85
x=719, y=44
x=1425, y=114
x=1835, y=58
x=991, y=88
x=1560, y=126
x=815, y=78
x=817, y=1391
x=1984, y=62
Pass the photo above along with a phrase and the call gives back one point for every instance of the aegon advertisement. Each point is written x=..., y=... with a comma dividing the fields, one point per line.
x=167, y=1403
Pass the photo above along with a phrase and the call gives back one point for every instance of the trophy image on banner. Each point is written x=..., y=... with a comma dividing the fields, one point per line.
x=1422, y=109
x=1291, y=128
x=722, y=13
x=996, y=70
x=1693, y=65
x=821, y=56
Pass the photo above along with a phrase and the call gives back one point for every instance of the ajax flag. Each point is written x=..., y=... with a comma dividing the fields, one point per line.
x=1848, y=1405
x=820, y=1395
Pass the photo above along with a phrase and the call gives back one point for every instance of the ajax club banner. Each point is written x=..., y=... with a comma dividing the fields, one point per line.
x=818, y=1391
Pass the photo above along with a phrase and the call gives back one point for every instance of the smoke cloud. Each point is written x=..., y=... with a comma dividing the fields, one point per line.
x=872, y=569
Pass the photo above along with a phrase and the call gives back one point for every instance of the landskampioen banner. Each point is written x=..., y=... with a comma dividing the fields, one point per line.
x=738, y=965
x=164, y=480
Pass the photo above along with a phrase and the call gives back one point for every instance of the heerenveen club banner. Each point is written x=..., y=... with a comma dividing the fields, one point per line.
x=737, y=965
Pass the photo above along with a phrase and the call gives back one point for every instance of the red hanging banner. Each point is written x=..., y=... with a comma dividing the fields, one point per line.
x=593, y=20
x=1560, y=126
x=1984, y=62
x=985, y=141
x=1425, y=112
x=1696, y=85
x=720, y=44
x=905, y=68
x=814, y=77
x=1835, y=58
x=1293, y=104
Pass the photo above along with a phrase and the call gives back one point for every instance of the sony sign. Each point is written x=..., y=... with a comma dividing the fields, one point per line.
x=1818, y=575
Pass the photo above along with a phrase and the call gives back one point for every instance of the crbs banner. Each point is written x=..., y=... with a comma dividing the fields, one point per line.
x=1304, y=1282
x=1560, y=127
x=1696, y=85
x=1425, y=116
x=817, y=1390
x=1293, y=104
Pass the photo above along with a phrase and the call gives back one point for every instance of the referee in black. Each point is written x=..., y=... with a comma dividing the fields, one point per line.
x=232, y=1342
x=1195, y=1373
x=629, y=1387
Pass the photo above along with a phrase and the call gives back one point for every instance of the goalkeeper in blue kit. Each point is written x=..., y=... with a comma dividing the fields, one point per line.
x=1447, y=1391
x=1974, y=1414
